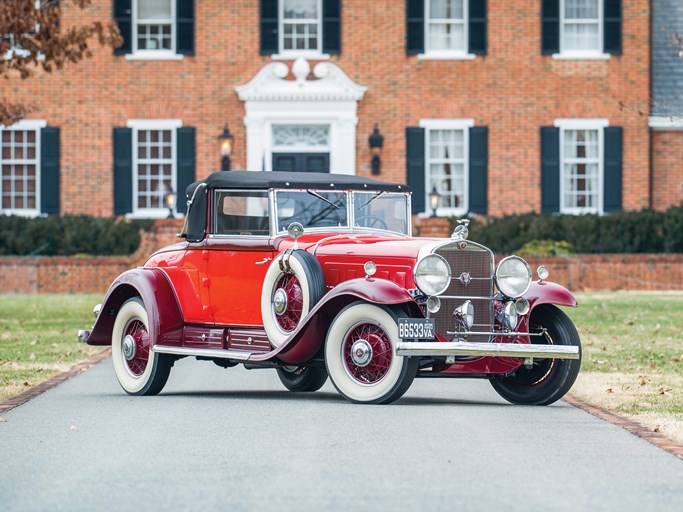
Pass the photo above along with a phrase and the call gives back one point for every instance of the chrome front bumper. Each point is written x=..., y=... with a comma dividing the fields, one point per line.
x=466, y=348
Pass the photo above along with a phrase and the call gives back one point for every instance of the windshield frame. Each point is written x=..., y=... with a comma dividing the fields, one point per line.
x=350, y=212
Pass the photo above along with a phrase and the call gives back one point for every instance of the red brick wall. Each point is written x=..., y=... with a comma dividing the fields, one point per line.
x=513, y=90
x=667, y=157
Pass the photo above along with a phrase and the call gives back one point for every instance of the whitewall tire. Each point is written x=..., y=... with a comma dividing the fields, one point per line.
x=288, y=295
x=360, y=355
x=139, y=370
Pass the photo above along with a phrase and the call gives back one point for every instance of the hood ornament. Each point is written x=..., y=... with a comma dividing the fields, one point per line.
x=465, y=278
x=461, y=232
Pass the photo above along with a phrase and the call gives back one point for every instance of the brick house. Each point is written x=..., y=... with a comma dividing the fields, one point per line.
x=504, y=107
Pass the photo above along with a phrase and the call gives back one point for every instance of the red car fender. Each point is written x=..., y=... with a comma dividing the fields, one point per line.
x=543, y=292
x=310, y=335
x=152, y=285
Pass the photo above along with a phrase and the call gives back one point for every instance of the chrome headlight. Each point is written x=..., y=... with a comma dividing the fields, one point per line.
x=513, y=276
x=432, y=275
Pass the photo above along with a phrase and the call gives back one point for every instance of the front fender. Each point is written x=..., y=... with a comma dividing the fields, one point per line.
x=543, y=292
x=153, y=287
x=310, y=334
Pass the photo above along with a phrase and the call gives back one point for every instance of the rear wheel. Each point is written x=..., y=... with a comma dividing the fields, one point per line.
x=360, y=354
x=547, y=380
x=302, y=378
x=139, y=370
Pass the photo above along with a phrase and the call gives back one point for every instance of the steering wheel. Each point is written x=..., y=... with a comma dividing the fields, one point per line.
x=371, y=221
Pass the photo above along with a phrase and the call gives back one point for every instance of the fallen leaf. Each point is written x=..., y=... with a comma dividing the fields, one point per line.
x=643, y=382
x=656, y=429
x=27, y=383
x=32, y=357
x=610, y=390
x=74, y=427
x=664, y=391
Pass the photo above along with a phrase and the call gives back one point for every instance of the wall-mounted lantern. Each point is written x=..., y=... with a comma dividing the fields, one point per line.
x=434, y=198
x=226, y=140
x=376, y=141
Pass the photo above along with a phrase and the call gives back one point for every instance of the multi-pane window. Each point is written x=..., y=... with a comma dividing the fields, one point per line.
x=581, y=163
x=581, y=26
x=447, y=166
x=446, y=27
x=301, y=22
x=19, y=159
x=154, y=25
x=154, y=166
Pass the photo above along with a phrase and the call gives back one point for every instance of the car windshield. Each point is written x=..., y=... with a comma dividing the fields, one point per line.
x=381, y=210
x=311, y=208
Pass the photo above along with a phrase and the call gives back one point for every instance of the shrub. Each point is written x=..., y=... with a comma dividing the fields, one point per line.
x=545, y=248
x=645, y=231
x=68, y=235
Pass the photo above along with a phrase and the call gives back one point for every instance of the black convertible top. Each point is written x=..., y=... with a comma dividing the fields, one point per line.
x=251, y=180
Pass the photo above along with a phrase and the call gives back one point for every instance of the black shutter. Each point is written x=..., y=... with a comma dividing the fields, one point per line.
x=477, y=28
x=612, y=29
x=185, y=27
x=550, y=169
x=479, y=151
x=415, y=27
x=49, y=170
x=332, y=26
x=269, y=27
x=612, y=183
x=185, y=164
x=415, y=167
x=550, y=27
x=123, y=170
x=123, y=16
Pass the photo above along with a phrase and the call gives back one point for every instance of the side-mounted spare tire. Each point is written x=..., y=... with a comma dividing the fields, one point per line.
x=293, y=284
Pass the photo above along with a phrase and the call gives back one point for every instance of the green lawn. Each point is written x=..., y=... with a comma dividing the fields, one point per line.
x=632, y=364
x=38, y=337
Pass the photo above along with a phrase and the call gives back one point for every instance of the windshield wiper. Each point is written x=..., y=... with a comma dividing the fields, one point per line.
x=371, y=199
x=315, y=194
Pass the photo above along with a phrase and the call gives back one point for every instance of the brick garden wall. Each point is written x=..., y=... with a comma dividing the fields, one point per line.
x=514, y=90
x=77, y=274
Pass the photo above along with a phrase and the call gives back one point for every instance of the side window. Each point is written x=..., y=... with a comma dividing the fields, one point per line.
x=241, y=213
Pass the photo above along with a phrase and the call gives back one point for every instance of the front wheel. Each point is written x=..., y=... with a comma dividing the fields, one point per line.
x=547, y=380
x=139, y=370
x=302, y=378
x=360, y=355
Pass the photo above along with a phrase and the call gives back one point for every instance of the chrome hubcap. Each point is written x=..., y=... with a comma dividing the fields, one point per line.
x=129, y=347
x=361, y=353
x=280, y=301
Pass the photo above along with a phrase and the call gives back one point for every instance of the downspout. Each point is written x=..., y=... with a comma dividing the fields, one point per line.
x=651, y=104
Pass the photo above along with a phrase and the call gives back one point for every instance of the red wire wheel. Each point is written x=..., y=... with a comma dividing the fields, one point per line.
x=367, y=353
x=290, y=317
x=138, y=332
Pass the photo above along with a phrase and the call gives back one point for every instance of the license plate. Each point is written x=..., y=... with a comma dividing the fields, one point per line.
x=416, y=328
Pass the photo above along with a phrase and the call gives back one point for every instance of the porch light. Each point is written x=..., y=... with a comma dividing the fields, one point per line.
x=169, y=201
x=376, y=141
x=434, y=198
x=226, y=140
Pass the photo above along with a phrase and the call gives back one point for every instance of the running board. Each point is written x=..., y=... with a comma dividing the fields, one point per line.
x=466, y=348
x=237, y=355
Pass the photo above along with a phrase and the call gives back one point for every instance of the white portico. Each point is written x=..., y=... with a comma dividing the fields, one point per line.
x=308, y=123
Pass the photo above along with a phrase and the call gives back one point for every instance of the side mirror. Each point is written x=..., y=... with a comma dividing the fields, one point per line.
x=295, y=230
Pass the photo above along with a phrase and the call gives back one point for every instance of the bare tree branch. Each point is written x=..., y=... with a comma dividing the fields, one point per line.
x=32, y=36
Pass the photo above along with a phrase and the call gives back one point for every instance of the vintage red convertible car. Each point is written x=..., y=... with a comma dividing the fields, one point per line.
x=317, y=275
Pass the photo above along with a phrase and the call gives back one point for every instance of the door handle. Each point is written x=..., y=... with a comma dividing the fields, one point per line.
x=265, y=260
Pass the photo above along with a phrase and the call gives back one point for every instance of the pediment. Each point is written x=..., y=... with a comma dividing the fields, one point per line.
x=327, y=82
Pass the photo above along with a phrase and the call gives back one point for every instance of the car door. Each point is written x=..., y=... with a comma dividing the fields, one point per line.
x=240, y=251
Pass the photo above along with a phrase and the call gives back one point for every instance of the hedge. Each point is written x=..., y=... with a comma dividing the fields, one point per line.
x=69, y=235
x=645, y=231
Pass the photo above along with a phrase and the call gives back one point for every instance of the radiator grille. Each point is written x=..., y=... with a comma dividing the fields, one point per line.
x=477, y=261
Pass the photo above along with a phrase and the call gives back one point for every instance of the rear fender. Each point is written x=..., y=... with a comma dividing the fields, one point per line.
x=153, y=287
x=309, y=337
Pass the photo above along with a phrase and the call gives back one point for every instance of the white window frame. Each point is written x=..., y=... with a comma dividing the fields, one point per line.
x=293, y=54
x=153, y=124
x=596, y=54
x=448, y=124
x=160, y=54
x=583, y=124
x=21, y=52
x=26, y=124
x=447, y=54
